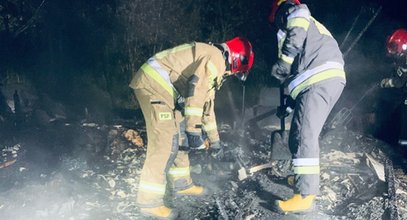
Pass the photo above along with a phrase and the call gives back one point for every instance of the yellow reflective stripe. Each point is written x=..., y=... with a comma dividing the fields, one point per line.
x=151, y=72
x=298, y=22
x=193, y=111
x=321, y=28
x=317, y=78
x=179, y=171
x=306, y=170
x=280, y=2
x=287, y=59
x=213, y=73
x=210, y=126
x=165, y=53
x=152, y=188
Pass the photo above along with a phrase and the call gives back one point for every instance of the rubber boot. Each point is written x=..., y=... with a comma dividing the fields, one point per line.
x=192, y=191
x=161, y=212
x=296, y=204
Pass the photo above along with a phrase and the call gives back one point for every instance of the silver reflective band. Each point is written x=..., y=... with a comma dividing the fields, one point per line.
x=306, y=162
x=163, y=73
x=281, y=34
x=301, y=13
x=153, y=63
x=403, y=142
x=301, y=77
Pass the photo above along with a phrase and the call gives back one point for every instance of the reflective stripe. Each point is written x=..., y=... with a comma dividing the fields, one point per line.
x=403, y=142
x=298, y=22
x=193, y=111
x=287, y=59
x=327, y=74
x=179, y=171
x=152, y=188
x=306, y=161
x=300, y=13
x=306, y=170
x=147, y=69
x=179, y=48
x=281, y=35
x=160, y=75
x=309, y=73
x=212, y=69
x=321, y=28
x=280, y=2
x=213, y=73
x=210, y=126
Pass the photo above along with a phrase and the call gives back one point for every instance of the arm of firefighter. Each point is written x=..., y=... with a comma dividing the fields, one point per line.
x=198, y=86
x=213, y=70
x=401, y=79
x=297, y=25
x=209, y=121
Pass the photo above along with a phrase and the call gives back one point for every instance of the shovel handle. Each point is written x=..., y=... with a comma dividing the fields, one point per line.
x=282, y=103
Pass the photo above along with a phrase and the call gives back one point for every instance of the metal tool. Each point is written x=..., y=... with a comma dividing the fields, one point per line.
x=344, y=116
x=243, y=173
x=279, y=138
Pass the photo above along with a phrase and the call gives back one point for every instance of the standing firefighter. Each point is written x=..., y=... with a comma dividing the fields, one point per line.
x=397, y=49
x=310, y=64
x=173, y=84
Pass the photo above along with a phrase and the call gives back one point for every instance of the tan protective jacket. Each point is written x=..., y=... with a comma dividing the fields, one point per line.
x=191, y=71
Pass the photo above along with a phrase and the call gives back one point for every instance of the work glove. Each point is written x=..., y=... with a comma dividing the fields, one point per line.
x=195, y=141
x=281, y=70
x=216, y=150
x=386, y=83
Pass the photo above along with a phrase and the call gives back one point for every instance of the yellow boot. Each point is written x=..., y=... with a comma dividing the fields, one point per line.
x=160, y=212
x=192, y=191
x=296, y=204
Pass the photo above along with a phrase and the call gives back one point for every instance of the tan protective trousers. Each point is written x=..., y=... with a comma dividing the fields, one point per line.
x=163, y=160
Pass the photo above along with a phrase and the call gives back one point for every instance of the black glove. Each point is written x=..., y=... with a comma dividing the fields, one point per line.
x=283, y=111
x=216, y=150
x=195, y=141
x=281, y=70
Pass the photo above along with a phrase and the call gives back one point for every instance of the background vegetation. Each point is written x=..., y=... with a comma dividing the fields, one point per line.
x=82, y=52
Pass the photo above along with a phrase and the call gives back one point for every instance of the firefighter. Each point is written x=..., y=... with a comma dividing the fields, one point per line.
x=397, y=49
x=311, y=67
x=177, y=87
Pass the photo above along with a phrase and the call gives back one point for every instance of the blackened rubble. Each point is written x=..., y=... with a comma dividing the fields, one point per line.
x=96, y=175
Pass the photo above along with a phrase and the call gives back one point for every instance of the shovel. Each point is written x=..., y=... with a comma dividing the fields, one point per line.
x=279, y=138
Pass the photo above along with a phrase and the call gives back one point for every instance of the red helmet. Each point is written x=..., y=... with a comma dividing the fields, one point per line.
x=276, y=4
x=397, y=42
x=241, y=57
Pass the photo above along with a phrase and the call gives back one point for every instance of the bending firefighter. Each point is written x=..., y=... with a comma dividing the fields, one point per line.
x=311, y=66
x=174, y=88
x=397, y=49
